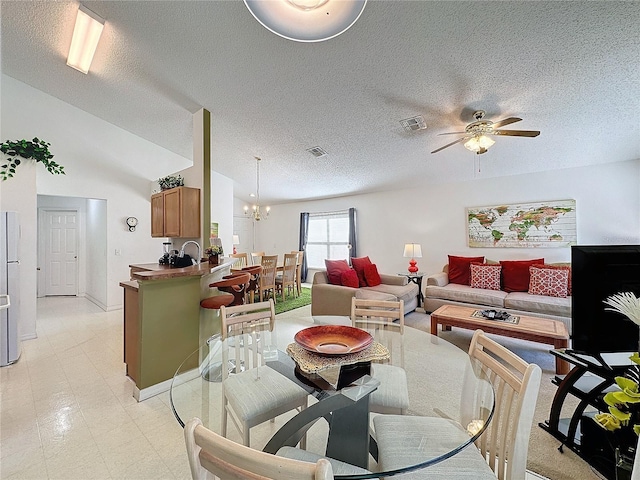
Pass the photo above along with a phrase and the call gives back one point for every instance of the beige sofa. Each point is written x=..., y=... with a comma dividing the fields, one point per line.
x=328, y=299
x=439, y=291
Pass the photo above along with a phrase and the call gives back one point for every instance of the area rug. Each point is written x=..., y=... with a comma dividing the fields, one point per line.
x=291, y=302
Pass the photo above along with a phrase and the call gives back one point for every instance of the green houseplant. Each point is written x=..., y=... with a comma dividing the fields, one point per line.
x=35, y=149
x=170, y=181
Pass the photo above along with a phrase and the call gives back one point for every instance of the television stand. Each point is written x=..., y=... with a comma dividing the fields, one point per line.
x=590, y=377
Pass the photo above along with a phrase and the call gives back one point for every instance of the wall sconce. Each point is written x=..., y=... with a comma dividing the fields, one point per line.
x=131, y=223
x=412, y=251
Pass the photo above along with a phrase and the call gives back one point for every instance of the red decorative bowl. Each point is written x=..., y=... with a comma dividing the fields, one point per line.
x=333, y=339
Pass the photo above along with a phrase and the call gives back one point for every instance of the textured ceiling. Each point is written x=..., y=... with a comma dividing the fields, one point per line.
x=570, y=69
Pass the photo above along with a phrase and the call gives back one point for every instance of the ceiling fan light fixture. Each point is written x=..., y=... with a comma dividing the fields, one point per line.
x=306, y=20
x=479, y=144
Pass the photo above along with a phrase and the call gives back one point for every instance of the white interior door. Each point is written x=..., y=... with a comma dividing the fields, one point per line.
x=61, y=252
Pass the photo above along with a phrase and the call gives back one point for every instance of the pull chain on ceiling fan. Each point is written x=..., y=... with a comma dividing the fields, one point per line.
x=477, y=134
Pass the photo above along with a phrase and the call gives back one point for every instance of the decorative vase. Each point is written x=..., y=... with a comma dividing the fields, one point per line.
x=213, y=259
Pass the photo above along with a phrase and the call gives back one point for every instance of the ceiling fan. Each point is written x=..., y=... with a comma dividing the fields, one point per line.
x=476, y=134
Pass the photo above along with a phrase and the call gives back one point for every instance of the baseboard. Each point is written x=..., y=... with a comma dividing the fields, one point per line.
x=158, y=388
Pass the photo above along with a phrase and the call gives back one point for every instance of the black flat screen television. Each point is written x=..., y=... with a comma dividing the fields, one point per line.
x=598, y=271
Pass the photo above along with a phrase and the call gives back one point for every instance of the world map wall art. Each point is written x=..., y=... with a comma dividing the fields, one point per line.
x=526, y=225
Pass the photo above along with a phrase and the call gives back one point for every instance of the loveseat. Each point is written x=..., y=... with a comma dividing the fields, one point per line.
x=329, y=299
x=439, y=291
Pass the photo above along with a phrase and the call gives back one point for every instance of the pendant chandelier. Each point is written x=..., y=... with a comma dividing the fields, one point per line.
x=256, y=213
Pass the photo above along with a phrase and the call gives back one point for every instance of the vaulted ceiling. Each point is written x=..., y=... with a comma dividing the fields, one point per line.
x=570, y=69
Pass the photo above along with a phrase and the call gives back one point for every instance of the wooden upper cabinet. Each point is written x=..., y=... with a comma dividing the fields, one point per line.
x=176, y=213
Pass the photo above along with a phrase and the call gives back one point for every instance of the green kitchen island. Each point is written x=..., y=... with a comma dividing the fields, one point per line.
x=163, y=321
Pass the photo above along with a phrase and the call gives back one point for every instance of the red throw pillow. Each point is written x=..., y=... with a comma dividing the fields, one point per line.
x=335, y=269
x=552, y=282
x=563, y=267
x=515, y=274
x=371, y=275
x=349, y=278
x=459, y=271
x=485, y=276
x=358, y=264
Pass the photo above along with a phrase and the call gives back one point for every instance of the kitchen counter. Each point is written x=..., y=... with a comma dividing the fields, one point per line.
x=155, y=271
x=163, y=321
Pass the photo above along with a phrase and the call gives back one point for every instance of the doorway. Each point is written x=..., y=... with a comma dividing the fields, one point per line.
x=60, y=234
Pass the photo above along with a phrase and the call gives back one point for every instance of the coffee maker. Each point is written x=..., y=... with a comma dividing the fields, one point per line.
x=166, y=248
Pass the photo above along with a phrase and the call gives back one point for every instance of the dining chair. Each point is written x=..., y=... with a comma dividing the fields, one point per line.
x=258, y=393
x=242, y=260
x=501, y=451
x=256, y=258
x=209, y=452
x=268, y=277
x=381, y=318
x=299, y=270
x=287, y=280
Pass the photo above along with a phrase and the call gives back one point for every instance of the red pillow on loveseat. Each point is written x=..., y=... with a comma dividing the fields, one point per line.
x=515, y=274
x=335, y=269
x=460, y=271
x=372, y=276
x=349, y=278
x=359, y=264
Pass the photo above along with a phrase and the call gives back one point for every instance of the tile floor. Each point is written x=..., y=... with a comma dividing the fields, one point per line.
x=67, y=410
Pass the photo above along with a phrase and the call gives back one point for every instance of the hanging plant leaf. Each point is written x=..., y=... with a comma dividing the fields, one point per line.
x=35, y=149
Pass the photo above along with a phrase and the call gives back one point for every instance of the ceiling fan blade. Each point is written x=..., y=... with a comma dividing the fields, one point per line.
x=506, y=121
x=453, y=133
x=517, y=133
x=449, y=144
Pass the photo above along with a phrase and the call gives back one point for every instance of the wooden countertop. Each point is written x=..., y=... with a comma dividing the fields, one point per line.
x=155, y=271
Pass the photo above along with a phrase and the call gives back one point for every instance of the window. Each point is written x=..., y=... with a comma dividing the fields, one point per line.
x=328, y=238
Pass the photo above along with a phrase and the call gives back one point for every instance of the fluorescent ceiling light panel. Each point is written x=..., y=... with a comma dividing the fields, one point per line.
x=86, y=35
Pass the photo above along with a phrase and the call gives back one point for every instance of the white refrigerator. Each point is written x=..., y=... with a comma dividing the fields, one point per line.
x=9, y=285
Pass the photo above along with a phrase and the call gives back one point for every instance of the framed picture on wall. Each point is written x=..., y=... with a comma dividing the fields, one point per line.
x=527, y=225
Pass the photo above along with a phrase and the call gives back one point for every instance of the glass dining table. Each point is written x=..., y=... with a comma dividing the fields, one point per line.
x=442, y=381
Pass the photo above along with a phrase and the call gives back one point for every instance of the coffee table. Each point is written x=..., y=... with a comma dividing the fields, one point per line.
x=534, y=329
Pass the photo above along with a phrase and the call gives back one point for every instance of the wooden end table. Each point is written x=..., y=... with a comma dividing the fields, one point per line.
x=534, y=329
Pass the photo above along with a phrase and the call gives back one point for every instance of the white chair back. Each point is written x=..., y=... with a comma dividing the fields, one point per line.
x=210, y=452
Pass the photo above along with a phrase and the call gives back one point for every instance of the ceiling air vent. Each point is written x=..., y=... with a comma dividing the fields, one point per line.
x=316, y=151
x=414, y=123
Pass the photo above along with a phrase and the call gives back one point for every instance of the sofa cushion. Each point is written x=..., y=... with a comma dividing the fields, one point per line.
x=371, y=275
x=366, y=294
x=459, y=271
x=349, y=278
x=466, y=294
x=401, y=292
x=358, y=264
x=335, y=269
x=560, y=307
x=485, y=276
x=548, y=281
x=515, y=274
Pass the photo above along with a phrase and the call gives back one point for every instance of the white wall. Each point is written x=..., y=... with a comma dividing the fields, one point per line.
x=96, y=252
x=101, y=161
x=607, y=201
x=222, y=209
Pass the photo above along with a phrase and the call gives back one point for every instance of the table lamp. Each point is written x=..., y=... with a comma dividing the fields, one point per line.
x=412, y=251
x=236, y=241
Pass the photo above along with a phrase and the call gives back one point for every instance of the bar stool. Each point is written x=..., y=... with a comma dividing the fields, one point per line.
x=252, y=289
x=234, y=287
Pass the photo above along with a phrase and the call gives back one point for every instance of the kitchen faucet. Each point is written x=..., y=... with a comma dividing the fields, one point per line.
x=181, y=254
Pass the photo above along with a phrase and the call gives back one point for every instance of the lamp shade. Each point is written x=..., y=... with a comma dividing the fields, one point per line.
x=412, y=250
x=236, y=240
